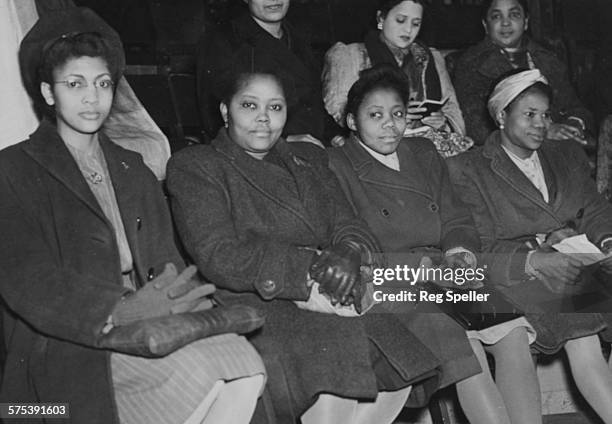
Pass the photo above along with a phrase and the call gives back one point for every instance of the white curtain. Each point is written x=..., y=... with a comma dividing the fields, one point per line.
x=17, y=118
x=129, y=124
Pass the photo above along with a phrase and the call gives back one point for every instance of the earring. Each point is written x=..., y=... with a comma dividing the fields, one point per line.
x=501, y=126
x=225, y=124
x=380, y=25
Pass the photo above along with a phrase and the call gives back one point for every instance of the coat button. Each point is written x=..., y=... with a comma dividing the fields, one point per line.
x=385, y=212
x=580, y=213
x=138, y=223
x=433, y=207
x=150, y=274
x=268, y=285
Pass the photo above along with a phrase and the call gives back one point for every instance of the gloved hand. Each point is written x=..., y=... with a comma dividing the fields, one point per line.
x=168, y=293
x=337, y=270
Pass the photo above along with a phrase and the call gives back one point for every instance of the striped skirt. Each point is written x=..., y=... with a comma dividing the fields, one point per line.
x=168, y=390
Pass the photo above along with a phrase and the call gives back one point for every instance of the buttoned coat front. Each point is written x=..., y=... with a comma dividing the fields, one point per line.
x=410, y=211
x=509, y=211
x=61, y=274
x=414, y=213
x=250, y=225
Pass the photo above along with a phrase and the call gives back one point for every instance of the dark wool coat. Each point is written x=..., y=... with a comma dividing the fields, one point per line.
x=61, y=269
x=479, y=68
x=413, y=212
x=242, y=47
x=509, y=211
x=248, y=225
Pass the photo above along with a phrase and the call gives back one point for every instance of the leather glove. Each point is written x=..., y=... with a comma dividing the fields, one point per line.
x=337, y=270
x=168, y=293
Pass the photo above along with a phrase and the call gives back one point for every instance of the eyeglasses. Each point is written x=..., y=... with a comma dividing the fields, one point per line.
x=78, y=84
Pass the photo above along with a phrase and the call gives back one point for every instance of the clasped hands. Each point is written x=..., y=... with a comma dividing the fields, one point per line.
x=337, y=270
x=168, y=293
x=559, y=271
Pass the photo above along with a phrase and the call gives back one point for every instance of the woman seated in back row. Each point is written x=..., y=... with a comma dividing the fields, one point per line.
x=520, y=186
x=506, y=47
x=87, y=248
x=258, y=40
x=395, y=43
x=401, y=187
x=253, y=210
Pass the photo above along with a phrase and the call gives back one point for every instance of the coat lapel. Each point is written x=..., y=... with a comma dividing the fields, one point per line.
x=121, y=172
x=502, y=166
x=267, y=177
x=279, y=52
x=48, y=149
x=411, y=176
x=554, y=173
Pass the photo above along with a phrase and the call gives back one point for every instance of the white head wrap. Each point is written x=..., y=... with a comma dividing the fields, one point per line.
x=509, y=88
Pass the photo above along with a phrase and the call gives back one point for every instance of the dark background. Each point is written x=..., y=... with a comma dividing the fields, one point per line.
x=161, y=36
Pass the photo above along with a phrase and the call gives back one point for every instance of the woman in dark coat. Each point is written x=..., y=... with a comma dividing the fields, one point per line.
x=252, y=210
x=507, y=47
x=262, y=41
x=402, y=189
x=521, y=186
x=87, y=246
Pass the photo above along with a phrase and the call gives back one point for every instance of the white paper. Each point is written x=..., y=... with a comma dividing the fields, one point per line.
x=580, y=247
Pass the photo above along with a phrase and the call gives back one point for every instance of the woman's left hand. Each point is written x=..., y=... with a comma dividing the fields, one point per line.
x=436, y=120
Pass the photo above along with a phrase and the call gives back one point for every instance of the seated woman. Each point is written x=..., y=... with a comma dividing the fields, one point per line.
x=87, y=245
x=506, y=47
x=252, y=211
x=402, y=189
x=262, y=41
x=519, y=187
x=395, y=43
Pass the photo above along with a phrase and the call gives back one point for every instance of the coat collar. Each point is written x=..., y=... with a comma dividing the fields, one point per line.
x=47, y=148
x=551, y=159
x=289, y=56
x=493, y=63
x=292, y=185
x=413, y=164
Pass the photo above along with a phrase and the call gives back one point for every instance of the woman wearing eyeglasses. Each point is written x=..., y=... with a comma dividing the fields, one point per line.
x=87, y=249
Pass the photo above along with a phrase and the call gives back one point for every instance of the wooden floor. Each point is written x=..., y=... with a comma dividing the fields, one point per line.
x=548, y=419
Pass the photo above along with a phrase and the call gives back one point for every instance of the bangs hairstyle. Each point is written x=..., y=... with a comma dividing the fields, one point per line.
x=243, y=79
x=384, y=6
x=486, y=5
x=73, y=46
x=380, y=77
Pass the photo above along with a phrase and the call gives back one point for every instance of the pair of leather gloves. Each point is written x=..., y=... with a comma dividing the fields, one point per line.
x=338, y=271
x=169, y=293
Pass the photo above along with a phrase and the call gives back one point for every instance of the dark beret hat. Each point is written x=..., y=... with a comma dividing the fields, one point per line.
x=54, y=25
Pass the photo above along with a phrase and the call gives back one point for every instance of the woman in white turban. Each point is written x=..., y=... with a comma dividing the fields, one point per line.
x=526, y=193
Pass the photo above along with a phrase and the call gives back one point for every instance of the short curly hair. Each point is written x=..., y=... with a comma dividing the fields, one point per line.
x=59, y=51
x=379, y=77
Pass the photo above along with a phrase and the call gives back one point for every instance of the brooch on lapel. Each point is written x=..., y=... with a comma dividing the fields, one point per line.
x=125, y=165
